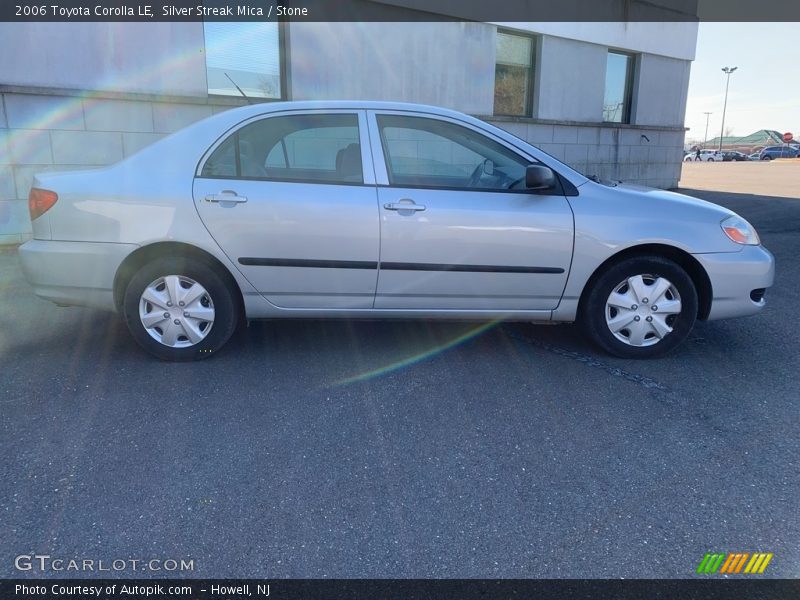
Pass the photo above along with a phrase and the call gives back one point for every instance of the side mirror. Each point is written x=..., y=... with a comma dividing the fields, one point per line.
x=539, y=177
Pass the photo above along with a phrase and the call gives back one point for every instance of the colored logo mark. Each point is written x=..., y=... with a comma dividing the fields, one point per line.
x=734, y=562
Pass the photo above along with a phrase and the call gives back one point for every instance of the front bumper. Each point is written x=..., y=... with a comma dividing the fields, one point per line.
x=73, y=273
x=734, y=275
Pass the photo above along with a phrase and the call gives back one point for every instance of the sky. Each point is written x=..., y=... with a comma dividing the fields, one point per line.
x=764, y=90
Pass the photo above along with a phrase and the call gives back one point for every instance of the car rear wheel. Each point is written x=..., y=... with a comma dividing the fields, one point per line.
x=180, y=309
x=641, y=307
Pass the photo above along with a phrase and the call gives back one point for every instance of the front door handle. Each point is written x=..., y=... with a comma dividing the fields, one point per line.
x=403, y=205
x=226, y=196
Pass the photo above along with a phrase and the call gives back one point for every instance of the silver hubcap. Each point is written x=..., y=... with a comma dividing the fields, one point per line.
x=640, y=310
x=176, y=311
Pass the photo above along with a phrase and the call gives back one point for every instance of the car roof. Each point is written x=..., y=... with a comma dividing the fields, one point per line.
x=262, y=107
x=209, y=129
x=265, y=108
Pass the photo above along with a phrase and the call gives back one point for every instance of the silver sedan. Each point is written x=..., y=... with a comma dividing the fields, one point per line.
x=369, y=209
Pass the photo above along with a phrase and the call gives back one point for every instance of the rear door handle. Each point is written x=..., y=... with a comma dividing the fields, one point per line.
x=226, y=196
x=403, y=206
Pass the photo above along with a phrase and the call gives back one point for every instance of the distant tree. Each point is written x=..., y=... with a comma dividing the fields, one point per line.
x=510, y=90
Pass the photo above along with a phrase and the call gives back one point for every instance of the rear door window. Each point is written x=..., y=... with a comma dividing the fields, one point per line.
x=313, y=148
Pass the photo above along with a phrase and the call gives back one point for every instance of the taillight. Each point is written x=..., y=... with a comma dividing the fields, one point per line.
x=40, y=201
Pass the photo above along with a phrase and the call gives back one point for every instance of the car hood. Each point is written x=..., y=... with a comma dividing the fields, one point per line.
x=657, y=200
x=629, y=215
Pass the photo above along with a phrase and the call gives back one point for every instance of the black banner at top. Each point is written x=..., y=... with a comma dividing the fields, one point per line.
x=399, y=10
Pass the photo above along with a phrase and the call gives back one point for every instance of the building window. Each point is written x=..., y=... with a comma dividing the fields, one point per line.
x=619, y=84
x=513, y=75
x=249, y=54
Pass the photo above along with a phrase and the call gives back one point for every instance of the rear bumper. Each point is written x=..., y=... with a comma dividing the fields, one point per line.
x=734, y=275
x=73, y=273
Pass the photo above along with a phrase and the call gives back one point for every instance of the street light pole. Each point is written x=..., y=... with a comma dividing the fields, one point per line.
x=705, y=138
x=727, y=71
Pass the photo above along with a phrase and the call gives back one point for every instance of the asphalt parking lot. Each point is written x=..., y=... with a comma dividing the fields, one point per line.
x=392, y=449
x=779, y=178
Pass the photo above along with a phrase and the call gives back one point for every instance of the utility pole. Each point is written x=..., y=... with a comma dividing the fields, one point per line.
x=727, y=71
x=705, y=138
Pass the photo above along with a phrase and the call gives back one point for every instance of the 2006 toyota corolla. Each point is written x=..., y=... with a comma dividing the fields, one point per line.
x=366, y=209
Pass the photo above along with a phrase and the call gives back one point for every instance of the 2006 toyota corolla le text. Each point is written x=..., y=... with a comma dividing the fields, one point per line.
x=366, y=209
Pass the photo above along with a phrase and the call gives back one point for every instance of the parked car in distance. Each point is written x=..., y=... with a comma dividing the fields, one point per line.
x=754, y=156
x=772, y=152
x=379, y=209
x=733, y=155
x=705, y=156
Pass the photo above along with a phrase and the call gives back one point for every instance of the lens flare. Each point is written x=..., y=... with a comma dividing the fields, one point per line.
x=118, y=74
x=418, y=357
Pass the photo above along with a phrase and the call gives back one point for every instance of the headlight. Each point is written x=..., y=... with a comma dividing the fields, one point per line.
x=740, y=231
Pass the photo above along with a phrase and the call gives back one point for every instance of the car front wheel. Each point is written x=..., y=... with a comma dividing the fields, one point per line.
x=180, y=309
x=641, y=307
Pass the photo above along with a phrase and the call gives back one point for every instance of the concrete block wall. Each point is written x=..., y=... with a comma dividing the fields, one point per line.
x=41, y=133
x=648, y=156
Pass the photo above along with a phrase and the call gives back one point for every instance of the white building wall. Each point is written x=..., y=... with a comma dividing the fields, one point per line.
x=445, y=64
x=672, y=39
x=571, y=80
x=150, y=58
x=661, y=90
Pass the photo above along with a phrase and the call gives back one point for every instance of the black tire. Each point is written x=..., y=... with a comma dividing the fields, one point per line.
x=218, y=294
x=768, y=157
x=592, y=312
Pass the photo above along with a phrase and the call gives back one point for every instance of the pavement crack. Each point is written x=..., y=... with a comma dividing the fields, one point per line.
x=591, y=361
